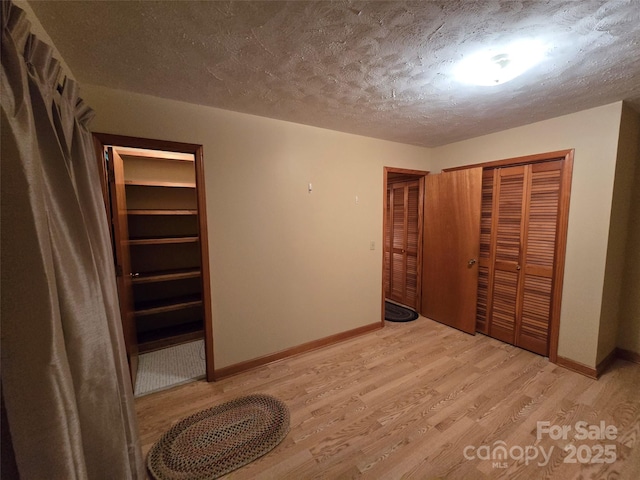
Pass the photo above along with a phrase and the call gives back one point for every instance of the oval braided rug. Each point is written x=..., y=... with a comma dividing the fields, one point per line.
x=397, y=313
x=218, y=440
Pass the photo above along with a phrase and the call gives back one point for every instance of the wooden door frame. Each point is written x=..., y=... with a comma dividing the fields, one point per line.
x=116, y=202
x=411, y=175
x=100, y=141
x=563, y=223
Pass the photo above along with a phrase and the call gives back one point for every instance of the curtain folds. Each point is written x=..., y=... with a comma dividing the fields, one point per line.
x=65, y=381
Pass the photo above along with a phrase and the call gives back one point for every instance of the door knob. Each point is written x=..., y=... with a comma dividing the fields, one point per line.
x=472, y=262
x=518, y=267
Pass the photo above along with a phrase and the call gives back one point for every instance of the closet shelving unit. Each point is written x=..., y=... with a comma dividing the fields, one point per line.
x=163, y=243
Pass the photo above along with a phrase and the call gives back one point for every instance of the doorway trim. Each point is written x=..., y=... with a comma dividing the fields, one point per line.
x=100, y=140
x=563, y=226
x=410, y=175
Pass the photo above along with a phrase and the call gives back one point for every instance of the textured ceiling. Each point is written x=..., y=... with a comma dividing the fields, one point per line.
x=380, y=69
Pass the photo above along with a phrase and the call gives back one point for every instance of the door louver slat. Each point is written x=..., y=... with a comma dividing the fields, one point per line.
x=486, y=219
x=481, y=309
x=509, y=218
x=486, y=213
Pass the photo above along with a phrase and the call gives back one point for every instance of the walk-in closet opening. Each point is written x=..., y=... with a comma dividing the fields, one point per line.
x=402, y=246
x=155, y=200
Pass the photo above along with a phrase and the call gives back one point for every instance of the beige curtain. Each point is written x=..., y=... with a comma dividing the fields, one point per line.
x=65, y=384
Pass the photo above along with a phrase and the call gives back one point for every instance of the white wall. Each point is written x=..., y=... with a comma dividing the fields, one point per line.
x=288, y=267
x=629, y=313
x=594, y=136
x=614, y=287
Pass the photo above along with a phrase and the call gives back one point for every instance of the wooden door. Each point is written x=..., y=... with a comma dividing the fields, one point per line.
x=451, y=247
x=120, y=236
x=403, y=239
x=508, y=208
x=539, y=255
x=518, y=249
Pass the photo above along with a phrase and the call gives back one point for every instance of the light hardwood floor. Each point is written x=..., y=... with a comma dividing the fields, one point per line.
x=405, y=401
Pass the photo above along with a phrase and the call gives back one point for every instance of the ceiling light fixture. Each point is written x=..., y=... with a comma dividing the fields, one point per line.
x=495, y=66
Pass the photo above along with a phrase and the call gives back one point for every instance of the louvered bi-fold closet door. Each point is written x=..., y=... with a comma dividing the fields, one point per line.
x=539, y=246
x=484, y=258
x=402, y=241
x=519, y=224
x=387, y=246
x=508, y=223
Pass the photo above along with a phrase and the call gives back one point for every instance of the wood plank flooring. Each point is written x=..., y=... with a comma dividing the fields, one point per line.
x=407, y=400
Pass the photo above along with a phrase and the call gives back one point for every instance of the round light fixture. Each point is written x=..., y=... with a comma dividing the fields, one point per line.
x=495, y=66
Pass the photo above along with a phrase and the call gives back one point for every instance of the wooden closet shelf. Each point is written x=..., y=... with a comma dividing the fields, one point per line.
x=155, y=154
x=163, y=241
x=150, y=183
x=166, y=276
x=162, y=212
x=169, y=336
x=153, y=308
